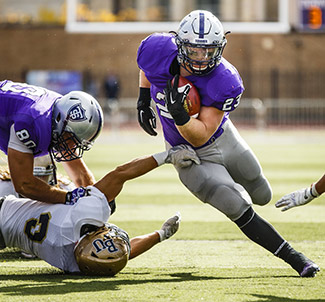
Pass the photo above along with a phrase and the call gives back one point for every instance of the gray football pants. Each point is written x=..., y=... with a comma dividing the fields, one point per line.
x=229, y=177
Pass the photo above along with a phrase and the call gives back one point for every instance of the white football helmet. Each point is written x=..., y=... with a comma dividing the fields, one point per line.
x=103, y=252
x=76, y=122
x=200, y=40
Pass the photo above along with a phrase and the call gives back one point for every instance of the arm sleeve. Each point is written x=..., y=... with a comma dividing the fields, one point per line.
x=16, y=144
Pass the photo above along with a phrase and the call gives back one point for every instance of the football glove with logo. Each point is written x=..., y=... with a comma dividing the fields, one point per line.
x=297, y=198
x=170, y=227
x=181, y=156
x=175, y=101
x=146, y=115
x=73, y=196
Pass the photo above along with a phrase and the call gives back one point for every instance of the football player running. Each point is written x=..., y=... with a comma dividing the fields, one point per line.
x=35, y=121
x=302, y=196
x=77, y=238
x=229, y=177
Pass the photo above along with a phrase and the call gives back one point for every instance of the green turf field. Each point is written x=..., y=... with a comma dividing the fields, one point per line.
x=208, y=259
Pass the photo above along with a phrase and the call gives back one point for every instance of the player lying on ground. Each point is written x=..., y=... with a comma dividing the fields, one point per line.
x=302, y=196
x=76, y=237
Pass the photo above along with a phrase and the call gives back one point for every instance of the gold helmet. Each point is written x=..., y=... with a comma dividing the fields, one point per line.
x=43, y=168
x=103, y=252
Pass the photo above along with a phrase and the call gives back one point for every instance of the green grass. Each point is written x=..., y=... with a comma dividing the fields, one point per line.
x=209, y=259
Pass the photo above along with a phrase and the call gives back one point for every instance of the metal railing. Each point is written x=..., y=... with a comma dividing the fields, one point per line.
x=251, y=112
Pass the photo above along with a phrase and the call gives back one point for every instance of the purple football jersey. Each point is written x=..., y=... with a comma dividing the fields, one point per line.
x=29, y=108
x=221, y=88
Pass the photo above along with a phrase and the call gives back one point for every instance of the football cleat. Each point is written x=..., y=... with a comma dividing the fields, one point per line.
x=310, y=270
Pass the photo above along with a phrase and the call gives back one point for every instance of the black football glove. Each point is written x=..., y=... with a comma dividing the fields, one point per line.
x=146, y=115
x=175, y=101
x=112, y=205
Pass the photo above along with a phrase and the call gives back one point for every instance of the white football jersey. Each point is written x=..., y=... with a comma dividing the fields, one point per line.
x=7, y=188
x=50, y=231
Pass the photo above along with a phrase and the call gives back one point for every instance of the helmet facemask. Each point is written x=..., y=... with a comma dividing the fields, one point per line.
x=199, y=59
x=68, y=147
x=200, y=40
x=76, y=122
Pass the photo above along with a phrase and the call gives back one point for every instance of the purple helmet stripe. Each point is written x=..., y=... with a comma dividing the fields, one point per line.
x=201, y=32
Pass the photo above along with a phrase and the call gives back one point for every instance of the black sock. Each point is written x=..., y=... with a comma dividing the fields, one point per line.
x=263, y=233
x=259, y=231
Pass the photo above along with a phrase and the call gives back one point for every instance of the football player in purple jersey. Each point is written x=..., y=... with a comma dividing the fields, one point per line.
x=35, y=121
x=229, y=177
x=302, y=196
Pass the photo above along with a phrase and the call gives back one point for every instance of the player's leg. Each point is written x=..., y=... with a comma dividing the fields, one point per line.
x=263, y=233
x=243, y=166
x=212, y=183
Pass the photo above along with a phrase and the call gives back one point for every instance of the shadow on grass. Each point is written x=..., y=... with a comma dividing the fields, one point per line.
x=266, y=298
x=58, y=283
x=12, y=255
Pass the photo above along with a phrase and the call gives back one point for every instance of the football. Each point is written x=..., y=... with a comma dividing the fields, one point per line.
x=192, y=102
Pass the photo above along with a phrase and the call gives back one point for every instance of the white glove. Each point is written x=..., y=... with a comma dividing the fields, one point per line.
x=170, y=227
x=297, y=198
x=182, y=156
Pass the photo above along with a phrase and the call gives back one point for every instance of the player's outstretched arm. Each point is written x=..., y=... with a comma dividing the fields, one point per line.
x=141, y=244
x=112, y=184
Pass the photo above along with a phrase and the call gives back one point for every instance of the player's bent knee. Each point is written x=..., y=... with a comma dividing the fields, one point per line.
x=262, y=193
x=231, y=199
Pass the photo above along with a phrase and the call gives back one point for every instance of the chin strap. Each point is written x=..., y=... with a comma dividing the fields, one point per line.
x=55, y=181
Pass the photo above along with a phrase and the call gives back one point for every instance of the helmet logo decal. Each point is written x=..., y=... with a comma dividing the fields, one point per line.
x=77, y=113
x=101, y=245
x=201, y=30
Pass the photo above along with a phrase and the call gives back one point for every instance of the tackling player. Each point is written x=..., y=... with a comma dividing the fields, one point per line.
x=76, y=238
x=229, y=177
x=35, y=121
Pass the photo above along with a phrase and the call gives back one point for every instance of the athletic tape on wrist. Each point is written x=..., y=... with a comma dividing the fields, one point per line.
x=161, y=234
x=160, y=157
x=313, y=191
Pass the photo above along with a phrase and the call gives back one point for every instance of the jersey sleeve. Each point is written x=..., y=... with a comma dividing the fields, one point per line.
x=26, y=132
x=16, y=144
x=155, y=55
x=225, y=89
x=92, y=209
